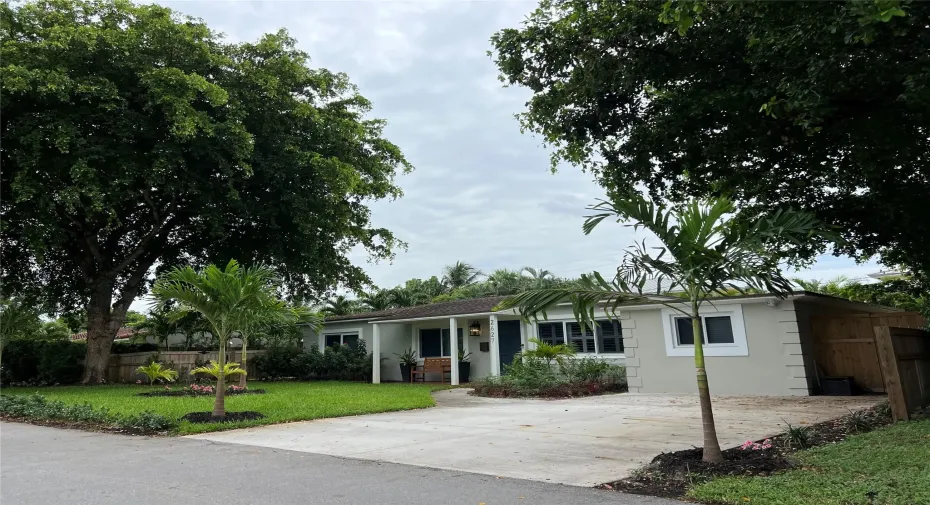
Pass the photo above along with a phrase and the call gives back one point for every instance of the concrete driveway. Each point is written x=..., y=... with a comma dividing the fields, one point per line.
x=579, y=442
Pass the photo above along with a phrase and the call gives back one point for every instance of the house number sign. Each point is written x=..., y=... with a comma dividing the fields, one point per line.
x=492, y=329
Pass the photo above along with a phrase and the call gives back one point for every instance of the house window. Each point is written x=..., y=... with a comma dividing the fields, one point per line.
x=717, y=330
x=434, y=342
x=723, y=329
x=604, y=338
x=333, y=339
x=551, y=333
x=609, y=336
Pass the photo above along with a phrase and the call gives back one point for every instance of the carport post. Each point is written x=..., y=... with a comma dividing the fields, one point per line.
x=375, y=354
x=495, y=350
x=454, y=351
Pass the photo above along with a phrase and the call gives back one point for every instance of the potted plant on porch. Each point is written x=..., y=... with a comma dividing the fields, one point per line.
x=408, y=360
x=464, y=366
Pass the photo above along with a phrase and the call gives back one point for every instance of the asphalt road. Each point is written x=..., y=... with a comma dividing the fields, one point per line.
x=44, y=466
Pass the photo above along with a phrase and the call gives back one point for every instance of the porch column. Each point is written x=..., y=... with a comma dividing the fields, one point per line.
x=375, y=354
x=493, y=341
x=454, y=350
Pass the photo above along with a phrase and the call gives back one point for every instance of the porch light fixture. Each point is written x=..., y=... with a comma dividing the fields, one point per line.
x=475, y=329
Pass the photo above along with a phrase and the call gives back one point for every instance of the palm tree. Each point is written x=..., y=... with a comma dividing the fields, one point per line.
x=835, y=286
x=504, y=281
x=379, y=299
x=541, y=278
x=221, y=296
x=549, y=352
x=341, y=306
x=703, y=252
x=460, y=274
x=269, y=311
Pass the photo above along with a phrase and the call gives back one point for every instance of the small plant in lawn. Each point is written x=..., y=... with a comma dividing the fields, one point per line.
x=213, y=370
x=156, y=371
x=859, y=421
x=797, y=437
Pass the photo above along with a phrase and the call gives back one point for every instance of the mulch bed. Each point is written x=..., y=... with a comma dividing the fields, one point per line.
x=193, y=393
x=231, y=417
x=672, y=474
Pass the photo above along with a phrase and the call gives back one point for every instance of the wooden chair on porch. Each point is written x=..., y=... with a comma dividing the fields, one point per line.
x=442, y=366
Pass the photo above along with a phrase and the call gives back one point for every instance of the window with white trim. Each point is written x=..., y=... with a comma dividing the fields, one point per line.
x=333, y=339
x=723, y=329
x=434, y=342
x=717, y=330
x=606, y=337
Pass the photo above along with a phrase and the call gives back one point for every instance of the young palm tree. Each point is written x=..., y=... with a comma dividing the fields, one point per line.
x=221, y=296
x=268, y=312
x=834, y=286
x=703, y=252
x=549, y=352
x=460, y=274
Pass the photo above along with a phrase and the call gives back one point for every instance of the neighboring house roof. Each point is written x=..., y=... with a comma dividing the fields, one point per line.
x=124, y=332
x=487, y=304
x=457, y=307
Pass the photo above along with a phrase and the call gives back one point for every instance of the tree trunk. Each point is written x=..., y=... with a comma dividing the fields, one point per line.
x=244, y=364
x=219, y=405
x=711, y=445
x=102, y=326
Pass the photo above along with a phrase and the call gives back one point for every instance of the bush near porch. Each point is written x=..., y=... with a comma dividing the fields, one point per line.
x=282, y=402
x=341, y=362
x=530, y=376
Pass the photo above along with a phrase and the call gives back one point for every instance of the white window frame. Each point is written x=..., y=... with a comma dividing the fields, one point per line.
x=321, y=343
x=739, y=347
x=565, y=337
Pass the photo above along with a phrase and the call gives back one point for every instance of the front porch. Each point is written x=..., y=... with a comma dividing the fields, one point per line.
x=488, y=340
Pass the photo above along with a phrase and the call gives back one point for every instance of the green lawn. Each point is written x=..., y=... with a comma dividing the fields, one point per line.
x=284, y=401
x=894, y=462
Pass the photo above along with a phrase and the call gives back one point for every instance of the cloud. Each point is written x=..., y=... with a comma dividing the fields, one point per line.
x=482, y=191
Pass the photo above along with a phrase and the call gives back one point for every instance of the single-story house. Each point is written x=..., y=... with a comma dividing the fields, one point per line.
x=754, y=344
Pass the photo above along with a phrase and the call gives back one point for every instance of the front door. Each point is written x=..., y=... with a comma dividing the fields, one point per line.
x=509, y=342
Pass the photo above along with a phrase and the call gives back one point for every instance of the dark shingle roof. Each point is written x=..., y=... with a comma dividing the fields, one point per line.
x=470, y=306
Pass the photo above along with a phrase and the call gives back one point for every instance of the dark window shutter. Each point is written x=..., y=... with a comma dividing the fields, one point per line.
x=430, y=343
x=609, y=336
x=582, y=341
x=551, y=333
x=685, y=331
x=719, y=330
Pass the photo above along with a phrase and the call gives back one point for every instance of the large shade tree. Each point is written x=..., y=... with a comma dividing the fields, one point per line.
x=225, y=297
x=821, y=106
x=702, y=252
x=135, y=137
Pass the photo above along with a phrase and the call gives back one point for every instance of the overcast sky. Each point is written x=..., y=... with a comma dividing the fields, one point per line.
x=481, y=191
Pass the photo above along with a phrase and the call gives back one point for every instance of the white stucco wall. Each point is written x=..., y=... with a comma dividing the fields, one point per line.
x=775, y=364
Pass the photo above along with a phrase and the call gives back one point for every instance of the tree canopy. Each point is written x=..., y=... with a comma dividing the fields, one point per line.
x=134, y=136
x=823, y=106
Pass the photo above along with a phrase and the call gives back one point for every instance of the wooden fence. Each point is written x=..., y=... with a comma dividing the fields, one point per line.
x=122, y=367
x=845, y=345
x=905, y=357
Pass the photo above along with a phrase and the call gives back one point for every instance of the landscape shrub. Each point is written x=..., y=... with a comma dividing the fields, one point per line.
x=39, y=408
x=38, y=362
x=278, y=362
x=530, y=376
x=340, y=362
